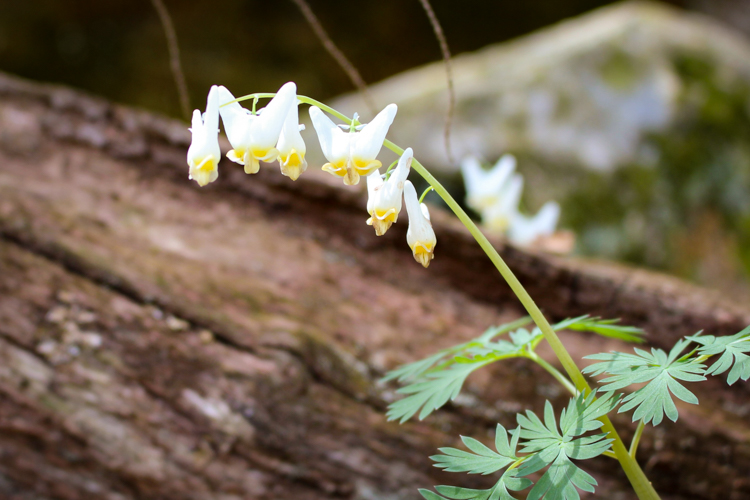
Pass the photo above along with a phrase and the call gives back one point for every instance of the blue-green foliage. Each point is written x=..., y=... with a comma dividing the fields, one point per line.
x=435, y=380
x=546, y=444
x=659, y=371
x=732, y=350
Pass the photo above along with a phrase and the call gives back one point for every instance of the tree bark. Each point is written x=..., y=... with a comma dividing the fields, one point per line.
x=158, y=340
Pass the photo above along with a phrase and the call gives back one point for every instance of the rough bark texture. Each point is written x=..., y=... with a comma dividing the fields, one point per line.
x=163, y=341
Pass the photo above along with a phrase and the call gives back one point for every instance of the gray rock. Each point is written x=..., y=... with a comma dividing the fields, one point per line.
x=635, y=117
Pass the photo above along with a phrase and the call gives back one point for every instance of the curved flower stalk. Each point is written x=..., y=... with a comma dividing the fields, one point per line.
x=384, y=201
x=495, y=194
x=352, y=154
x=204, y=153
x=420, y=235
x=291, y=146
x=253, y=136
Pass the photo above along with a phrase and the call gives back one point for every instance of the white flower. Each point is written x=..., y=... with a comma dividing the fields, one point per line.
x=291, y=146
x=203, y=154
x=254, y=136
x=484, y=187
x=524, y=230
x=419, y=236
x=500, y=213
x=384, y=201
x=352, y=154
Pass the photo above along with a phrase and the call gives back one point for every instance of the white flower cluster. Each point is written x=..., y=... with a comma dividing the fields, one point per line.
x=273, y=133
x=495, y=194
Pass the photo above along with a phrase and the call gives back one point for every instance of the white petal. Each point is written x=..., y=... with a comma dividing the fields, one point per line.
x=236, y=119
x=290, y=137
x=420, y=229
x=265, y=130
x=524, y=230
x=369, y=141
x=374, y=186
x=333, y=141
x=473, y=175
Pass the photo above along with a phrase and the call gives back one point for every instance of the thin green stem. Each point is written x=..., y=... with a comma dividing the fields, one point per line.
x=636, y=438
x=637, y=478
x=564, y=381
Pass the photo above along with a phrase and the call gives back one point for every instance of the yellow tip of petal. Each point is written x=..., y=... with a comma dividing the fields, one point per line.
x=252, y=167
x=381, y=226
x=236, y=156
x=423, y=255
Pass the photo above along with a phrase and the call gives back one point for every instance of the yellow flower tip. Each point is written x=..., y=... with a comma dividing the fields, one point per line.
x=293, y=165
x=423, y=254
x=366, y=167
x=351, y=177
x=382, y=220
x=381, y=226
x=252, y=166
x=237, y=156
x=205, y=171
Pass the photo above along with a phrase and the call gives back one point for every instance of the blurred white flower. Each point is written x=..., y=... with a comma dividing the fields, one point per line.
x=203, y=154
x=352, y=154
x=291, y=146
x=254, y=136
x=420, y=236
x=384, y=200
x=496, y=193
x=524, y=230
x=485, y=187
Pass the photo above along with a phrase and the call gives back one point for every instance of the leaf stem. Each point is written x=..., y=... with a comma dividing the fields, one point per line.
x=564, y=381
x=636, y=438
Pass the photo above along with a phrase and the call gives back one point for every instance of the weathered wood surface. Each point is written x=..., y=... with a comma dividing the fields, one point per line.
x=163, y=341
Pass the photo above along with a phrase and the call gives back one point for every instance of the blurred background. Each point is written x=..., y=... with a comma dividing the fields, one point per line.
x=635, y=118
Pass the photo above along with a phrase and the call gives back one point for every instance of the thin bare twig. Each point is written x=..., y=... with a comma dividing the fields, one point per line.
x=339, y=56
x=448, y=73
x=174, y=56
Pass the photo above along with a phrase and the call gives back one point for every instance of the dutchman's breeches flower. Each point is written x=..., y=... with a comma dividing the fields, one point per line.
x=352, y=154
x=204, y=152
x=420, y=236
x=384, y=197
x=291, y=146
x=253, y=136
x=484, y=188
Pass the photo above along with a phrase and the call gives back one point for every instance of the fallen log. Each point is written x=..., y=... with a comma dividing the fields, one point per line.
x=163, y=341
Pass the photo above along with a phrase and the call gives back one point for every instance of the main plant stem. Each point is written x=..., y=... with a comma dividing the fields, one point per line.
x=633, y=471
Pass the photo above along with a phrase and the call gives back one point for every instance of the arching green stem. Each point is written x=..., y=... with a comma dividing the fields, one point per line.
x=632, y=470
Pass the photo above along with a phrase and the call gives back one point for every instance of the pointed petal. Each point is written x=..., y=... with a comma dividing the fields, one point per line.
x=290, y=138
x=236, y=119
x=473, y=175
x=524, y=230
x=374, y=185
x=325, y=128
x=370, y=139
x=419, y=235
x=265, y=130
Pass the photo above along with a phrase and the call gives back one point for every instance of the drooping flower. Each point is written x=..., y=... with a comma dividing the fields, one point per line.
x=204, y=153
x=352, y=154
x=495, y=194
x=484, y=187
x=525, y=229
x=254, y=136
x=500, y=214
x=384, y=197
x=291, y=146
x=420, y=236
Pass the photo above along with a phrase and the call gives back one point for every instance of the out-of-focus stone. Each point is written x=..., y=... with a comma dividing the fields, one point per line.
x=635, y=117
